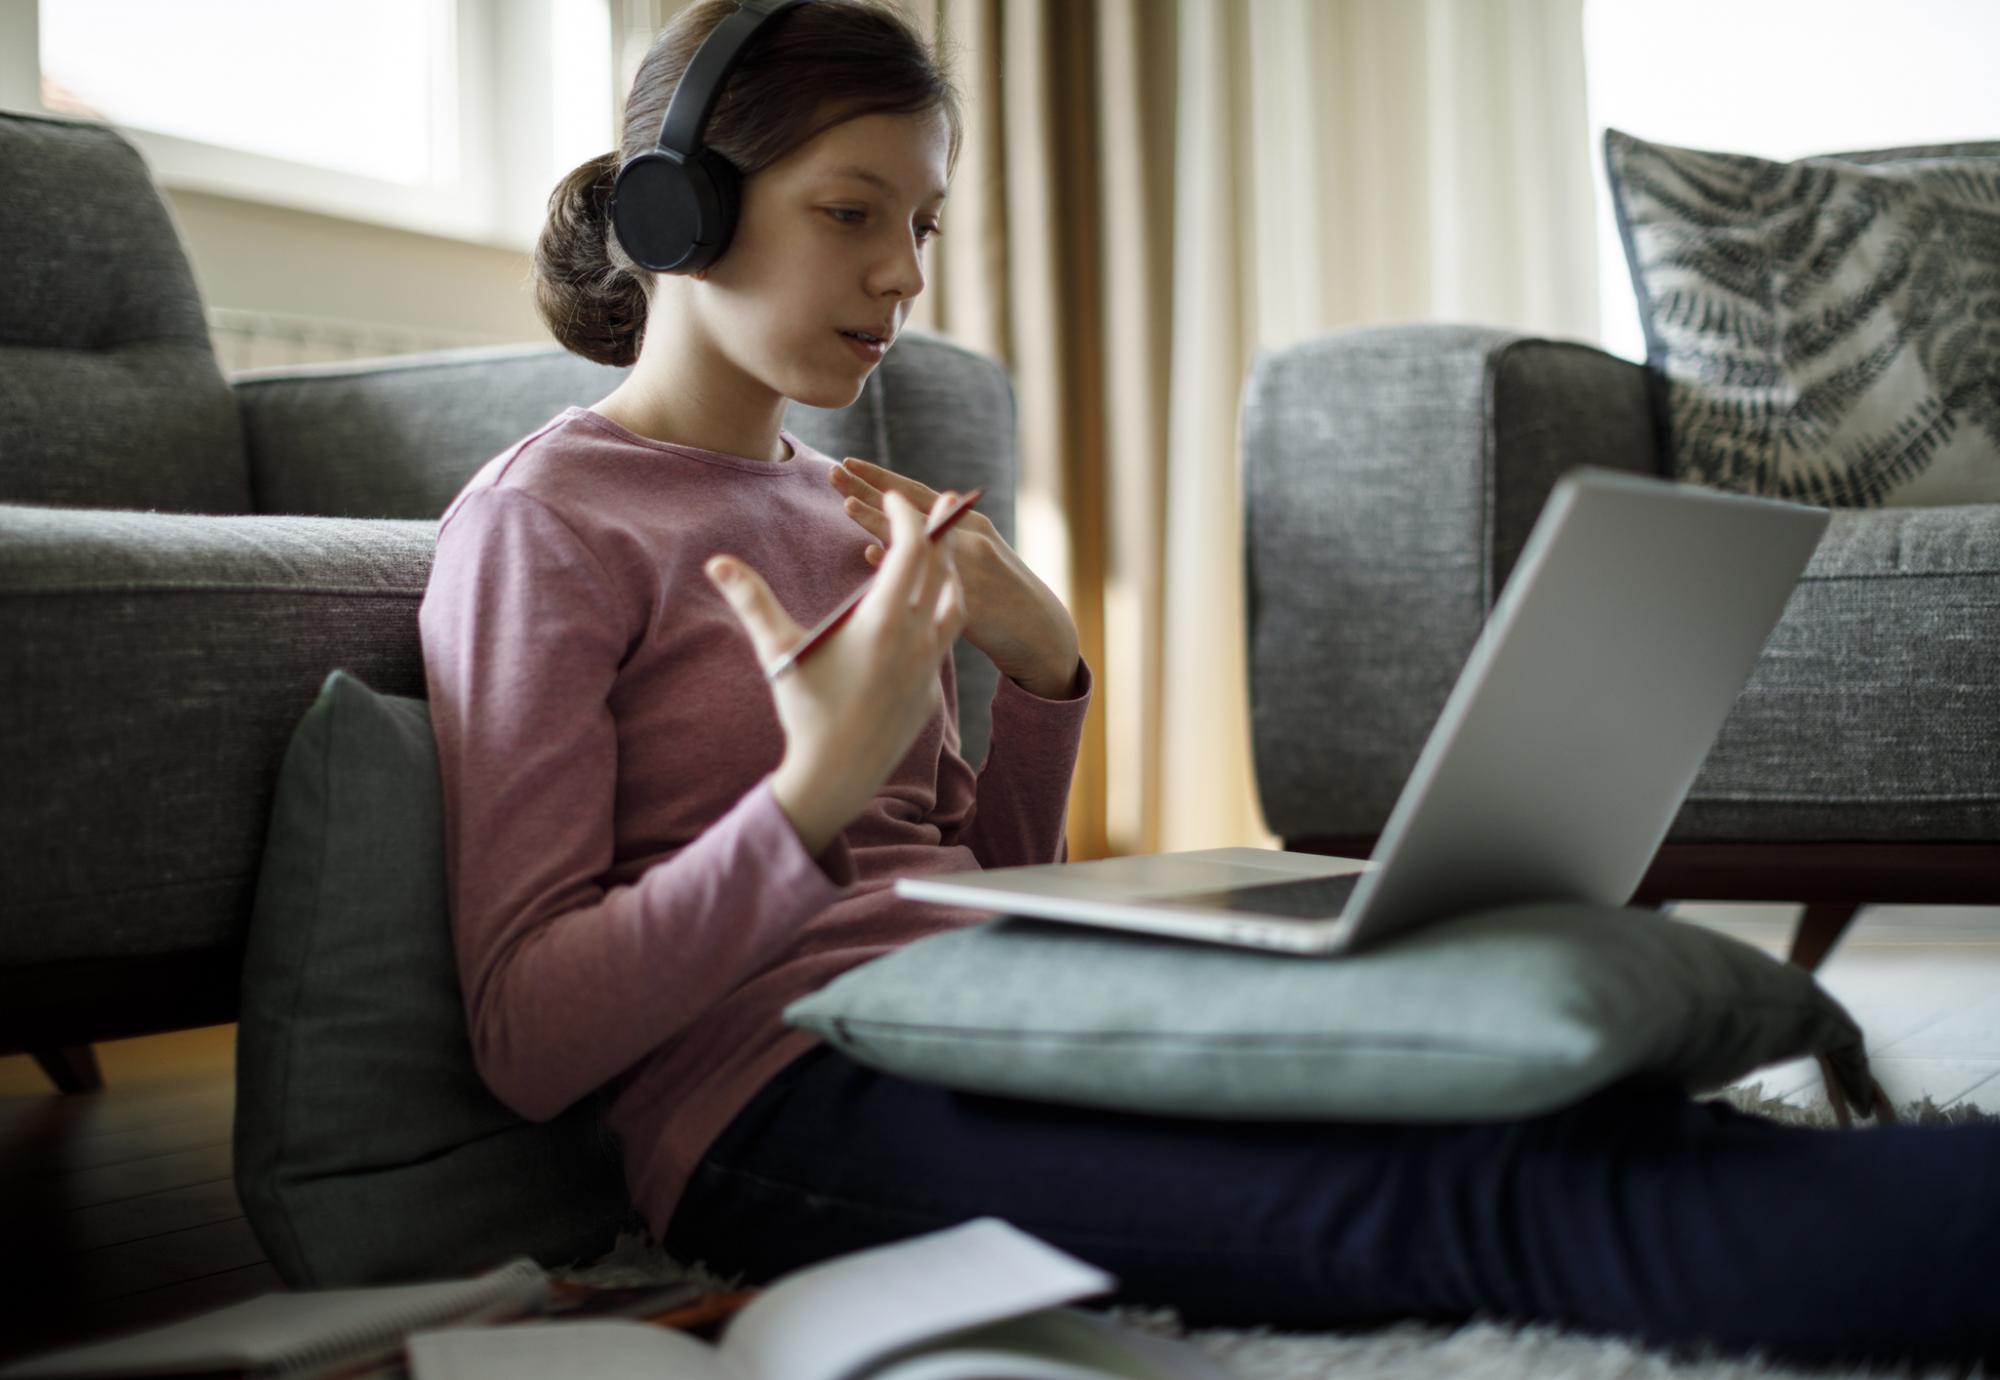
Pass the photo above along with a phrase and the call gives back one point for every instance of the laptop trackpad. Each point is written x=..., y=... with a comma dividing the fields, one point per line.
x=1307, y=898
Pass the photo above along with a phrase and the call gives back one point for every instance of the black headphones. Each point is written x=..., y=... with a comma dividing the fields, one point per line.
x=673, y=207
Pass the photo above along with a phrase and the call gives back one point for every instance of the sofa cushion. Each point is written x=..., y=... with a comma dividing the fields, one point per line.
x=397, y=437
x=368, y=1149
x=1498, y=1014
x=1874, y=711
x=1829, y=328
x=110, y=396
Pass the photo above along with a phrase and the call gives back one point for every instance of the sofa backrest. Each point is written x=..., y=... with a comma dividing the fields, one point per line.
x=110, y=396
x=398, y=438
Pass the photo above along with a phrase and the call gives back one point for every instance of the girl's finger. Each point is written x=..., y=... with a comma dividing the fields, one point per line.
x=950, y=620
x=937, y=563
x=845, y=479
x=903, y=566
x=875, y=477
x=873, y=520
x=872, y=554
x=771, y=629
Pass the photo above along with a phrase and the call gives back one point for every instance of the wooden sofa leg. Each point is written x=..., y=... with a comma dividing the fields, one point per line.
x=1819, y=930
x=73, y=1069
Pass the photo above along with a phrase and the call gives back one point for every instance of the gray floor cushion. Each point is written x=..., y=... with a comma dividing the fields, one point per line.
x=1497, y=1014
x=368, y=1150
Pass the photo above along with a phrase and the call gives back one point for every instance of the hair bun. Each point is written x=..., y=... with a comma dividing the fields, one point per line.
x=585, y=290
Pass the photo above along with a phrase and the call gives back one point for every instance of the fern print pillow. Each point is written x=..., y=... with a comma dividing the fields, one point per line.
x=1827, y=330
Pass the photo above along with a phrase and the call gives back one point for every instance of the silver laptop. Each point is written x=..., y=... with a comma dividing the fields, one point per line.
x=1630, y=623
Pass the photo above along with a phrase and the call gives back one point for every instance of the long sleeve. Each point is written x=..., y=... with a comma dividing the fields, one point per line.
x=1015, y=810
x=568, y=983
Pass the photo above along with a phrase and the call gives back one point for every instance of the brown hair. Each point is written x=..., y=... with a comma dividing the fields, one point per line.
x=822, y=64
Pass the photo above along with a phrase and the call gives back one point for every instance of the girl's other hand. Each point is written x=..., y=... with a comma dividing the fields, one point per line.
x=1009, y=613
x=851, y=709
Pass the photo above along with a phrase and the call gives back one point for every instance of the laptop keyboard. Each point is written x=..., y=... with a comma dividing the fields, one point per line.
x=1303, y=898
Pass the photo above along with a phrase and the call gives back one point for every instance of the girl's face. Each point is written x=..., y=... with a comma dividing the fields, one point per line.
x=830, y=238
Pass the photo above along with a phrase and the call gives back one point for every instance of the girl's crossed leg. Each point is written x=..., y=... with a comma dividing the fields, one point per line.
x=1638, y=1212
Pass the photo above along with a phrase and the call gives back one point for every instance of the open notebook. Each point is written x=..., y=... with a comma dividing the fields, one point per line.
x=971, y=1302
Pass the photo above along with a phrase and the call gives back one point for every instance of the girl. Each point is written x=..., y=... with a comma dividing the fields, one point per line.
x=652, y=851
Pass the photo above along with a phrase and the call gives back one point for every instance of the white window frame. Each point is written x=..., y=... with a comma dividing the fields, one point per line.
x=507, y=148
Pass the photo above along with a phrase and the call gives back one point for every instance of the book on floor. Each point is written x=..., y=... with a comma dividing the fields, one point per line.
x=979, y=1301
x=313, y=1332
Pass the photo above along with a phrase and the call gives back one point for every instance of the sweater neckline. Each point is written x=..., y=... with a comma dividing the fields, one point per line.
x=706, y=457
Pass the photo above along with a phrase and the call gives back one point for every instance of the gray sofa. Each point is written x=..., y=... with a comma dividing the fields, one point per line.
x=1391, y=477
x=184, y=558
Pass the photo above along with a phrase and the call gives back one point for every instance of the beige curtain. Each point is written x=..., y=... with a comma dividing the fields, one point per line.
x=1062, y=209
x=1153, y=191
x=1156, y=190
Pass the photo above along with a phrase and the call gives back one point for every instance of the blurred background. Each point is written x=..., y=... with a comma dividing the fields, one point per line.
x=1152, y=192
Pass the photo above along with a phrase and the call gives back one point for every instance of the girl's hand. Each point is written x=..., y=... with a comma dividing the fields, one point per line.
x=851, y=709
x=1009, y=613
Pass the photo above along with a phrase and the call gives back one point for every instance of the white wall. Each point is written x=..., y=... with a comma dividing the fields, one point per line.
x=1779, y=79
x=272, y=259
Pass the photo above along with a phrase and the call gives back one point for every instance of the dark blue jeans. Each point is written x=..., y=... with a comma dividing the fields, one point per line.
x=1638, y=1212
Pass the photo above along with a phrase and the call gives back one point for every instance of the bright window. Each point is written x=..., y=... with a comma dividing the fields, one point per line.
x=364, y=86
x=580, y=71
x=1779, y=79
x=446, y=117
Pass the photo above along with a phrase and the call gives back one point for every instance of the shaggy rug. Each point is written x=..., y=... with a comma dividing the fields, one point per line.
x=1479, y=1350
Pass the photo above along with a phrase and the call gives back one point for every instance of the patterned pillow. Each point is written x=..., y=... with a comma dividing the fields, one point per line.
x=1828, y=330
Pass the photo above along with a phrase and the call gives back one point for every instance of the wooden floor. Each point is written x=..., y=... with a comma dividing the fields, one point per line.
x=117, y=1209
x=1922, y=981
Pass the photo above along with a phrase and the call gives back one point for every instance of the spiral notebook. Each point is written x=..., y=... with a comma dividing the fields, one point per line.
x=299, y=1335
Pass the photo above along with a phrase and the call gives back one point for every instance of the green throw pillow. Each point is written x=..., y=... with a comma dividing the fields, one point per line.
x=1498, y=1014
x=368, y=1149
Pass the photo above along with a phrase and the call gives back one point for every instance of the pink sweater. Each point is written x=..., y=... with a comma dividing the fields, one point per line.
x=629, y=905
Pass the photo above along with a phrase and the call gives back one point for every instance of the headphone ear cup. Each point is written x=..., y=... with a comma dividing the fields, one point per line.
x=721, y=189
x=675, y=217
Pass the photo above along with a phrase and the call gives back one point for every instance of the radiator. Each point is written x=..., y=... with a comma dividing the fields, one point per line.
x=266, y=339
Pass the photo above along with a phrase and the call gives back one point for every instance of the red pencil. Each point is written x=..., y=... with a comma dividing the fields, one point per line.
x=824, y=628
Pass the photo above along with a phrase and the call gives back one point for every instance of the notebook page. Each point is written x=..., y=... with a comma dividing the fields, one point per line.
x=830, y=1320
x=303, y=1332
x=1056, y=1344
x=601, y=1349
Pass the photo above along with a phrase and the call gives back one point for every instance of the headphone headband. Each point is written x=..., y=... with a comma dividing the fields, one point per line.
x=695, y=96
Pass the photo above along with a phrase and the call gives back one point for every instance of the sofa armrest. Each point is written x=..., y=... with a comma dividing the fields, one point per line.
x=1390, y=479
x=157, y=666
